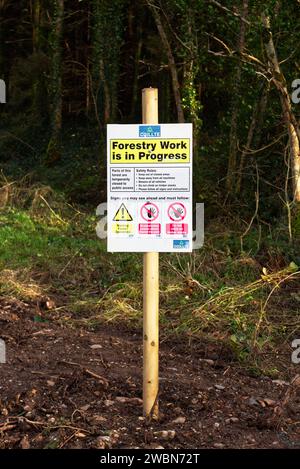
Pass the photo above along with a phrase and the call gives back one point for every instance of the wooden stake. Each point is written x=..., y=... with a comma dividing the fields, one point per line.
x=151, y=293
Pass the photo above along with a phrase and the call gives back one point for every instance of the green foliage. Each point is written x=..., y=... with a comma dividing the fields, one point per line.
x=296, y=223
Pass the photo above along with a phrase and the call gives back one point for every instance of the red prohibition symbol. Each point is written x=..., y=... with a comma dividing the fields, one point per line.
x=149, y=211
x=177, y=211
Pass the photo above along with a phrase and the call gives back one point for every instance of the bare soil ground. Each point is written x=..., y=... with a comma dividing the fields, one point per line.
x=72, y=388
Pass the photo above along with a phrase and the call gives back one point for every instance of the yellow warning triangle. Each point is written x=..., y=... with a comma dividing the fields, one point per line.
x=122, y=214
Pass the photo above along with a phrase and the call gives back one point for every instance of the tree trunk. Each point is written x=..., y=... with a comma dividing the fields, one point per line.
x=39, y=93
x=36, y=25
x=233, y=139
x=191, y=92
x=2, y=42
x=88, y=73
x=288, y=115
x=135, y=93
x=107, y=97
x=171, y=61
x=256, y=122
x=53, y=152
x=107, y=39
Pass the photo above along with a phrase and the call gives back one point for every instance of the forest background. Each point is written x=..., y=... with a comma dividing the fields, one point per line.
x=70, y=68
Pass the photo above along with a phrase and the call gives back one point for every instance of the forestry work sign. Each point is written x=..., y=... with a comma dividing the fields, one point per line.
x=149, y=188
x=151, y=150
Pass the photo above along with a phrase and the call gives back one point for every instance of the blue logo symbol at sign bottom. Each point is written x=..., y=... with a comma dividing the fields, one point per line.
x=146, y=131
x=181, y=243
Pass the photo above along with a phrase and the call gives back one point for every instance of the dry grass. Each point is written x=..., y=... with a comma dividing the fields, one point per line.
x=19, y=283
x=49, y=248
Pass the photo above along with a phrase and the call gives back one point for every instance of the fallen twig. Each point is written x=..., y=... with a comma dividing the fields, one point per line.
x=103, y=380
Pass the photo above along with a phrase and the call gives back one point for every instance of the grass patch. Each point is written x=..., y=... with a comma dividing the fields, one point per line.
x=49, y=248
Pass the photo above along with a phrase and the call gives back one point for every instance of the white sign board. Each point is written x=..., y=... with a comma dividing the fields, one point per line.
x=149, y=188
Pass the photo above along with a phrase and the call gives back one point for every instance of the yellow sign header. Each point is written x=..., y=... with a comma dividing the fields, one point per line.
x=139, y=151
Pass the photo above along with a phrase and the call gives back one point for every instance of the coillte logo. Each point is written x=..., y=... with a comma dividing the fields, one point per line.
x=146, y=131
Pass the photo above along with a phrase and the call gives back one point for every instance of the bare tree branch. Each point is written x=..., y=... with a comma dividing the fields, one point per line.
x=234, y=13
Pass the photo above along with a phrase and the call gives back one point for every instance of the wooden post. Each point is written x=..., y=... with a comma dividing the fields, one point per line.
x=151, y=294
